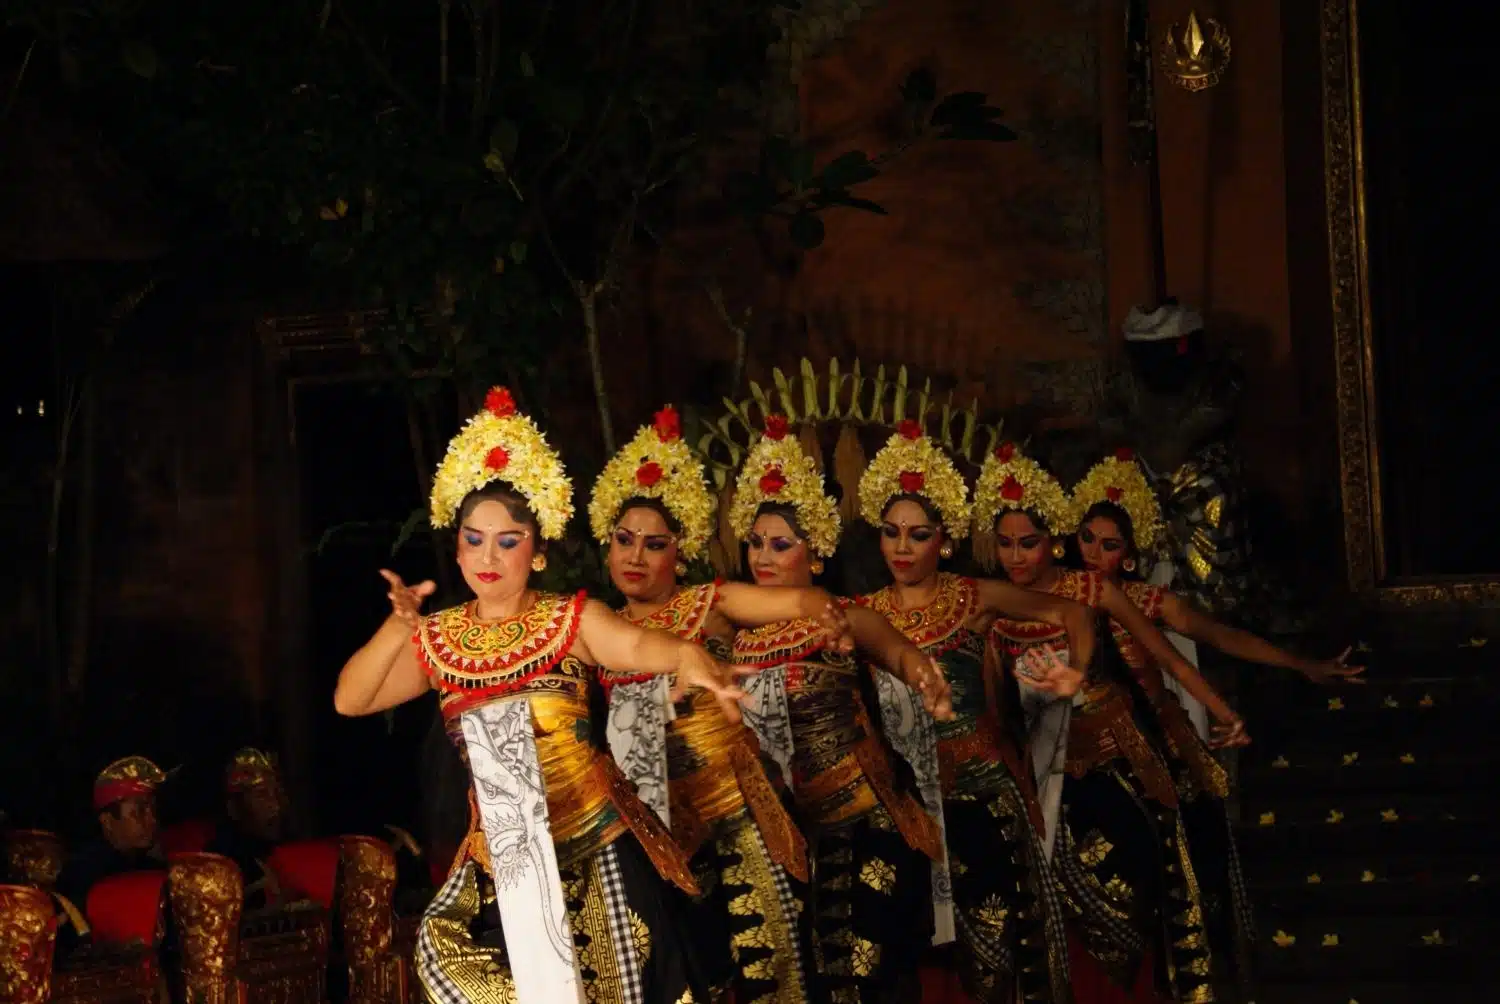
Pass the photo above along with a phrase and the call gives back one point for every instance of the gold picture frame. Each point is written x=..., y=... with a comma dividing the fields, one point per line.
x=1357, y=406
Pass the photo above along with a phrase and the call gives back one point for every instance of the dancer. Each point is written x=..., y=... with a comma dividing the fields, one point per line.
x=869, y=913
x=1119, y=848
x=560, y=848
x=699, y=771
x=1009, y=921
x=1121, y=522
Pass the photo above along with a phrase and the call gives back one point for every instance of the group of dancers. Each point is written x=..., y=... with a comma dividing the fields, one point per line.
x=757, y=791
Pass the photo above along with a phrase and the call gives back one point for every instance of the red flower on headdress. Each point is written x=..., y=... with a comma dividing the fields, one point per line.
x=1114, y=494
x=777, y=427
x=668, y=425
x=773, y=481
x=496, y=459
x=1004, y=452
x=648, y=474
x=910, y=428
x=499, y=403
x=912, y=482
x=1125, y=454
x=1012, y=490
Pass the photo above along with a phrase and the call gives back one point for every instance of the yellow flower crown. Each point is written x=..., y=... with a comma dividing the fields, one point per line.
x=1010, y=481
x=656, y=464
x=499, y=444
x=778, y=471
x=910, y=463
x=1119, y=479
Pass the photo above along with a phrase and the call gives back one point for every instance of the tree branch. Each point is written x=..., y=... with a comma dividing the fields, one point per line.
x=377, y=64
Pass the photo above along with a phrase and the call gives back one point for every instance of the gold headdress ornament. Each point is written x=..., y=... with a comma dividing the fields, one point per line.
x=778, y=470
x=854, y=401
x=1010, y=481
x=126, y=778
x=910, y=463
x=499, y=444
x=1119, y=479
x=248, y=768
x=657, y=464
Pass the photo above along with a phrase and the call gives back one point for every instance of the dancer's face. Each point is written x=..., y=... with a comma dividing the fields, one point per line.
x=643, y=556
x=776, y=555
x=1024, y=549
x=910, y=543
x=1103, y=546
x=494, y=552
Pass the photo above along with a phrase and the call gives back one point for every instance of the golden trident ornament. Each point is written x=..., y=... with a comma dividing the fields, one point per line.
x=1194, y=56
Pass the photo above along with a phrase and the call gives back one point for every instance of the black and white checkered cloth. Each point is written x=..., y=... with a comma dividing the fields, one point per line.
x=435, y=982
x=617, y=908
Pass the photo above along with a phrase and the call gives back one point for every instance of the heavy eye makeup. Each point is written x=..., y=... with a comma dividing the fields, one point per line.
x=653, y=541
x=505, y=541
x=1027, y=543
x=1108, y=543
x=920, y=534
x=780, y=545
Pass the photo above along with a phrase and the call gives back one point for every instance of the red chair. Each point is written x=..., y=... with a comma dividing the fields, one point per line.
x=127, y=909
x=307, y=869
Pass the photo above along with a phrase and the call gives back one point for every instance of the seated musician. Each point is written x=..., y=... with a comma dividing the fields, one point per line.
x=125, y=804
x=255, y=822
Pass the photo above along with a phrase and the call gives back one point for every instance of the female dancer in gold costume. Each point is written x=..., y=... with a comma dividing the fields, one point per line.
x=1121, y=521
x=1119, y=847
x=1008, y=918
x=700, y=771
x=869, y=913
x=560, y=847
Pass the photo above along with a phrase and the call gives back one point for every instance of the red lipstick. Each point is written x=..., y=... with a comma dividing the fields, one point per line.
x=487, y=576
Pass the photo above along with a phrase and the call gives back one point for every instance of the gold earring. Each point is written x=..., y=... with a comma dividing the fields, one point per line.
x=680, y=569
x=946, y=551
x=817, y=566
x=1059, y=549
x=1128, y=564
x=539, y=563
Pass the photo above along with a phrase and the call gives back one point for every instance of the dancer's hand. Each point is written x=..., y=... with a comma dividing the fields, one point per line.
x=1334, y=670
x=1050, y=673
x=696, y=668
x=1229, y=733
x=925, y=676
x=837, y=634
x=406, y=601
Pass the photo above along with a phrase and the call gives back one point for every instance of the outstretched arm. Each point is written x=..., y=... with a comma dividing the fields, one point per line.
x=611, y=641
x=1114, y=602
x=384, y=672
x=744, y=605
x=1182, y=617
x=1006, y=599
x=895, y=653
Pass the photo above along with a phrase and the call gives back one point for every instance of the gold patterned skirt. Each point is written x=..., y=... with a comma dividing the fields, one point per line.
x=628, y=927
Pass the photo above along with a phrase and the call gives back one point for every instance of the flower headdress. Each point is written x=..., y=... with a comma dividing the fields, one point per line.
x=500, y=444
x=910, y=463
x=1119, y=479
x=1010, y=481
x=778, y=470
x=656, y=464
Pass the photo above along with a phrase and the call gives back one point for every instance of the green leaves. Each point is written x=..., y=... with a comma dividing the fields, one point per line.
x=966, y=116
